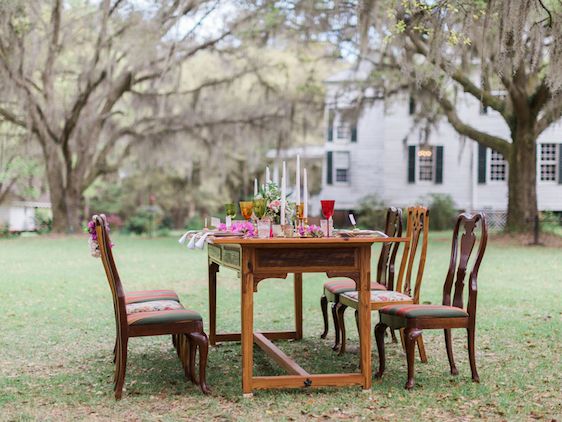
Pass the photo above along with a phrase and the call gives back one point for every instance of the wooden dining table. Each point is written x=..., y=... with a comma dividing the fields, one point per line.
x=258, y=259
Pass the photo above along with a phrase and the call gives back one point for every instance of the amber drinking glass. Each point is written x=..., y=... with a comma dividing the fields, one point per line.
x=247, y=207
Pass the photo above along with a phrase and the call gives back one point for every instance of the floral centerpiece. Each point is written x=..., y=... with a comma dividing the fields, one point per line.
x=244, y=227
x=272, y=195
x=310, y=231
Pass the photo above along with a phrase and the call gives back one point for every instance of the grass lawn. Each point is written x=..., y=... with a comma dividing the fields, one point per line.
x=57, y=331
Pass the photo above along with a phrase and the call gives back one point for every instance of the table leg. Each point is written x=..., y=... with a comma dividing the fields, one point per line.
x=365, y=317
x=213, y=270
x=247, y=329
x=298, y=305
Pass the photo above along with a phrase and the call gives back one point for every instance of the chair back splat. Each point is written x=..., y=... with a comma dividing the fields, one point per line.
x=417, y=228
x=459, y=265
x=117, y=292
x=387, y=257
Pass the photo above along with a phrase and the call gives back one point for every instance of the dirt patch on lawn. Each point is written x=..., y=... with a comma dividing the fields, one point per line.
x=545, y=239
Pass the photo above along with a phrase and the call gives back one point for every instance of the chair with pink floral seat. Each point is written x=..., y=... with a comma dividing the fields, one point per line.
x=332, y=289
x=164, y=316
x=411, y=268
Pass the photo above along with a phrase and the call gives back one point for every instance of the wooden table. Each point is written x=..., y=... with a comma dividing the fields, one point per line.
x=258, y=259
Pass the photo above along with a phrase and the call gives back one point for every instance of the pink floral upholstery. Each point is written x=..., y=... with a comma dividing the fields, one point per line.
x=153, y=306
x=381, y=296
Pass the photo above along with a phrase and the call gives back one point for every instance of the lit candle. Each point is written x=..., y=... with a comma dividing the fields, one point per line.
x=255, y=187
x=283, y=192
x=305, y=194
x=267, y=179
x=298, y=181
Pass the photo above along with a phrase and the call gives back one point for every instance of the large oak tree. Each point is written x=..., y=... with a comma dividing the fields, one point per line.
x=483, y=47
x=79, y=77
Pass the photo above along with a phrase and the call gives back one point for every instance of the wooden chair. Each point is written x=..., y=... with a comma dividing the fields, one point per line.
x=151, y=318
x=385, y=274
x=417, y=228
x=415, y=318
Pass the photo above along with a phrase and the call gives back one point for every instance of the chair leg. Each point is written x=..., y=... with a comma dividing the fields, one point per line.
x=393, y=335
x=449, y=346
x=421, y=349
x=472, y=354
x=115, y=351
x=202, y=343
x=184, y=355
x=336, y=326
x=357, y=319
x=380, y=329
x=324, y=307
x=341, y=323
x=410, y=338
x=192, y=346
x=121, y=367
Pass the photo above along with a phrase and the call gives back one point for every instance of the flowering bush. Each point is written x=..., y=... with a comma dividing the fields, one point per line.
x=244, y=227
x=311, y=231
x=272, y=195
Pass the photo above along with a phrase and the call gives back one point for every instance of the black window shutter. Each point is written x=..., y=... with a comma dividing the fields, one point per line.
x=329, y=168
x=354, y=134
x=331, y=125
x=560, y=164
x=412, y=164
x=482, y=150
x=439, y=165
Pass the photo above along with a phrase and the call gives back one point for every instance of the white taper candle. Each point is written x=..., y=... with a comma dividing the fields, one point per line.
x=305, y=194
x=298, y=181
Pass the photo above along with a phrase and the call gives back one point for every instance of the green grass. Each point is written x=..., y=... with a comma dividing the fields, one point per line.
x=57, y=331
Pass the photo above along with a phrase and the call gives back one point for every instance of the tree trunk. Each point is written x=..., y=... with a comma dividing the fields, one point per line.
x=522, y=182
x=66, y=201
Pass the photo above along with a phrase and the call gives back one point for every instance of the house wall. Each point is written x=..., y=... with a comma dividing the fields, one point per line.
x=379, y=158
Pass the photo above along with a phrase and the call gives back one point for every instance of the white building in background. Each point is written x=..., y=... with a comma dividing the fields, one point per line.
x=18, y=215
x=376, y=152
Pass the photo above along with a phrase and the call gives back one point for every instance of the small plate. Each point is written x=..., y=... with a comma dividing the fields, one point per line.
x=226, y=234
x=356, y=233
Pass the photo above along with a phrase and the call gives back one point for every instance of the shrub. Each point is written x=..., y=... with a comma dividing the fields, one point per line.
x=115, y=222
x=442, y=211
x=195, y=223
x=43, y=220
x=372, y=212
x=144, y=220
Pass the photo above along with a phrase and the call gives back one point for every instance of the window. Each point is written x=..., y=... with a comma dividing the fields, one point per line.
x=548, y=159
x=341, y=175
x=498, y=166
x=343, y=131
x=341, y=166
x=426, y=164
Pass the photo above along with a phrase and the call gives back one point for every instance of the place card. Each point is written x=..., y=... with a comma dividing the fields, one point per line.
x=215, y=222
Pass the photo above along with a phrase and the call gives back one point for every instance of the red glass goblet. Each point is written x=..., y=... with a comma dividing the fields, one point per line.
x=328, y=211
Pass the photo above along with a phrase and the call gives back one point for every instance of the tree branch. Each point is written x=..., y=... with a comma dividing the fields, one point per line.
x=491, y=141
x=460, y=77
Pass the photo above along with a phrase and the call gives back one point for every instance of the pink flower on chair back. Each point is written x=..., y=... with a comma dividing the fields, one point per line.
x=93, y=239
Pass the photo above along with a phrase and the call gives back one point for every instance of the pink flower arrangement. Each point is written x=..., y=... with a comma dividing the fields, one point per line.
x=311, y=231
x=275, y=206
x=244, y=227
x=93, y=239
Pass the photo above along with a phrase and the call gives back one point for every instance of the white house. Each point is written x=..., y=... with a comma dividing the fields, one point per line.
x=18, y=215
x=376, y=152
